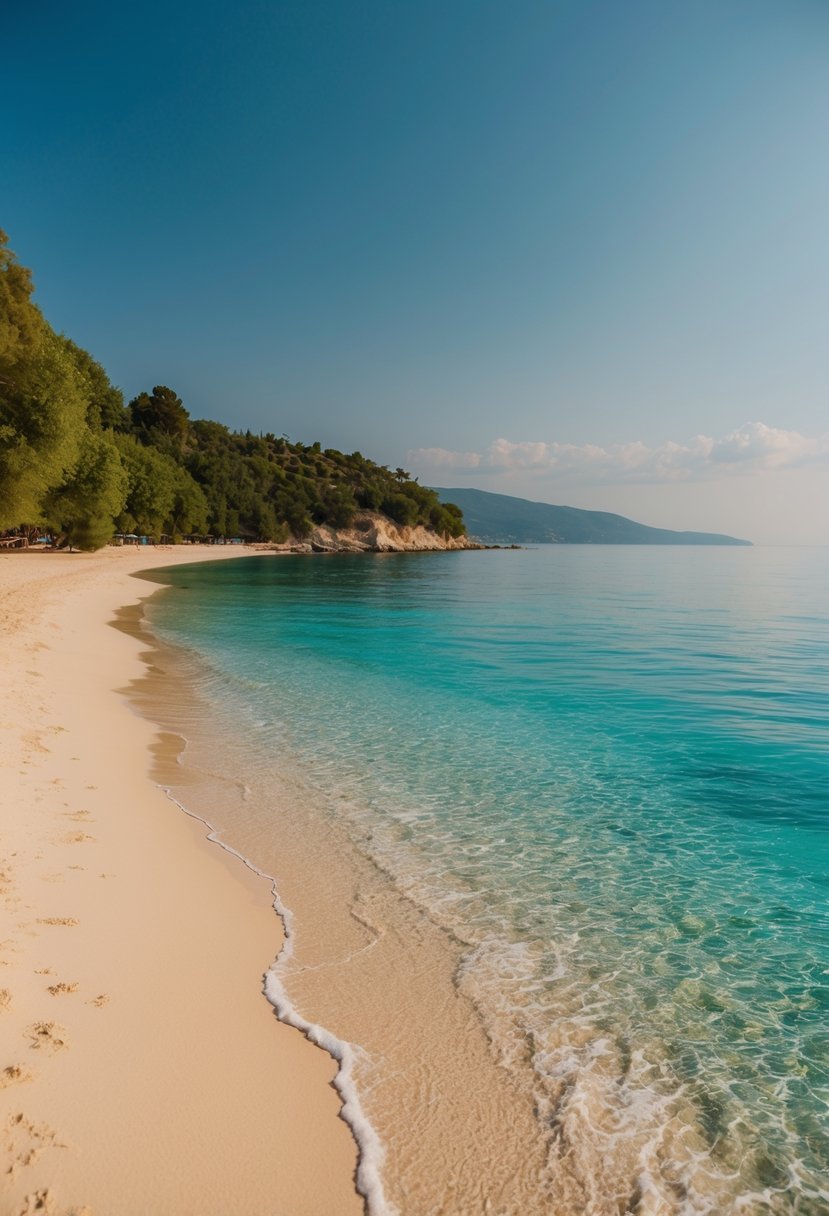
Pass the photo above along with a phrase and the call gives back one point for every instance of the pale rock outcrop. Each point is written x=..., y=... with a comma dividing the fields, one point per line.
x=370, y=532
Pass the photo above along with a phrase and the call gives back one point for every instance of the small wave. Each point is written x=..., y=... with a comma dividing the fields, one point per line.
x=371, y=1154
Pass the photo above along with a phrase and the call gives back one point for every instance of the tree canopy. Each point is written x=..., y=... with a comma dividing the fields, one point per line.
x=43, y=400
x=160, y=412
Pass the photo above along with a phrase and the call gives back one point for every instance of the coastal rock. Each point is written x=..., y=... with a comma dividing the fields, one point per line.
x=370, y=532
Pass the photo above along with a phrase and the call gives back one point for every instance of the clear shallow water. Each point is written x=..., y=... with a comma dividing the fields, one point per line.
x=606, y=770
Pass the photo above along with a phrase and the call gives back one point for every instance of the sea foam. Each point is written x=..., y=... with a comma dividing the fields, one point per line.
x=368, y=1177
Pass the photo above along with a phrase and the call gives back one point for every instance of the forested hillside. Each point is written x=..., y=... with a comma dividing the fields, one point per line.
x=502, y=519
x=77, y=461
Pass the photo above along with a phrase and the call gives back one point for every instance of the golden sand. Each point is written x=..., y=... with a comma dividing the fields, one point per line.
x=142, y=1070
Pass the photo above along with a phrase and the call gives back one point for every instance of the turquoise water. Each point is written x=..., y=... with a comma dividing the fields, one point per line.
x=606, y=770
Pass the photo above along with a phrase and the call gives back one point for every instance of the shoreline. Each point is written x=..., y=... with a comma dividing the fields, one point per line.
x=131, y=993
x=368, y=955
x=458, y=1129
x=169, y=765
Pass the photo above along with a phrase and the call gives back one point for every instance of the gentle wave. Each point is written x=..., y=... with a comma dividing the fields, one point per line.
x=371, y=1155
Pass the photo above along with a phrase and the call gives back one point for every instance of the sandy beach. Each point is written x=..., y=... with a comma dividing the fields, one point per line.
x=142, y=1069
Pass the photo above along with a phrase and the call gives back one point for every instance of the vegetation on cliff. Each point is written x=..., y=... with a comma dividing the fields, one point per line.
x=78, y=462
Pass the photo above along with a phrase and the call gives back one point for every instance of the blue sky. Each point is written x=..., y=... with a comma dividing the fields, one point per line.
x=572, y=251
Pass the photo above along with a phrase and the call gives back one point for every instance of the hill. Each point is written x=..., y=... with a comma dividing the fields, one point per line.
x=78, y=463
x=502, y=519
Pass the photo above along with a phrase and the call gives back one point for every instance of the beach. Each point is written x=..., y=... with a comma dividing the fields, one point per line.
x=143, y=1069
x=562, y=976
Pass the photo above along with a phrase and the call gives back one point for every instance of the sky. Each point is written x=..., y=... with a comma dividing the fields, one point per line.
x=572, y=251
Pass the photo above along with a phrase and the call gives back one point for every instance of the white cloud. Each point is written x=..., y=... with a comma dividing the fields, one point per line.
x=442, y=458
x=754, y=447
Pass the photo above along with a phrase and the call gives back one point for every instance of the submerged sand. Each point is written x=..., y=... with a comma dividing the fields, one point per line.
x=142, y=1069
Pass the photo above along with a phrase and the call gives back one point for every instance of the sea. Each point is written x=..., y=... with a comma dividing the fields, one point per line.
x=571, y=804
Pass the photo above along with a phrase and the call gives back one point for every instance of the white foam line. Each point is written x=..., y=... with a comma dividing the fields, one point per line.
x=370, y=1151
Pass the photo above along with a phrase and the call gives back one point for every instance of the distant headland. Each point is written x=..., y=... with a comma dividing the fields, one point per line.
x=502, y=519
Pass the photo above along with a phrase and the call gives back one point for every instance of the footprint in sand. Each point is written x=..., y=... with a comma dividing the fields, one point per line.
x=5, y=999
x=15, y=1074
x=33, y=741
x=62, y=989
x=38, y=1201
x=100, y=1000
x=47, y=1036
x=24, y=1141
x=43, y=1202
x=75, y=838
x=58, y=920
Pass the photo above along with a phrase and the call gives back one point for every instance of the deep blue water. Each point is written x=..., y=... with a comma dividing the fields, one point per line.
x=606, y=769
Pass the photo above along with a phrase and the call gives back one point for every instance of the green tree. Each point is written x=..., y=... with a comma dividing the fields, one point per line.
x=400, y=508
x=21, y=323
x=82, y=510
x=42, y=406
x=42, y=423
x=160, y=412
x=189, y=510
x=151, y=488
x=105, y=402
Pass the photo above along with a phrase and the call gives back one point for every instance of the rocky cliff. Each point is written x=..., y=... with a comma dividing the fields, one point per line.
x=372, y=533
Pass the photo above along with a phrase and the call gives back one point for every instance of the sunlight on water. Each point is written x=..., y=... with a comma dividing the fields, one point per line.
x=606, y=770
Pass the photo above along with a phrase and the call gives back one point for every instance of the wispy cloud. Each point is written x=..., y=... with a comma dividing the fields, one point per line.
x=754, y=447
x=442, y=458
